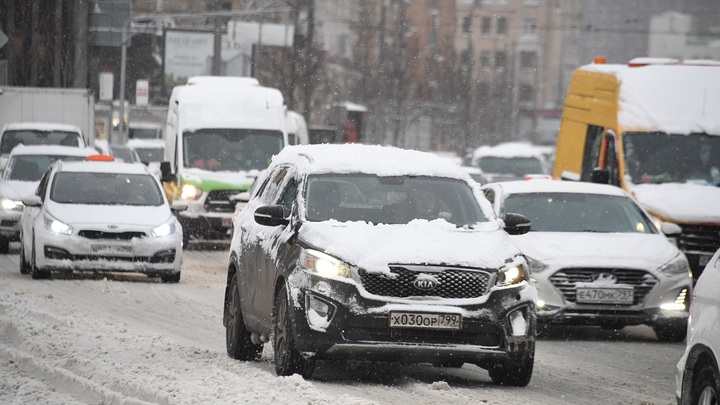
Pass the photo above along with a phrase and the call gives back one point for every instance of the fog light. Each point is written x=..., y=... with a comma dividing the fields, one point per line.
x=679, y=304
x=540, y=304
x=319, y=313
x=518, y=322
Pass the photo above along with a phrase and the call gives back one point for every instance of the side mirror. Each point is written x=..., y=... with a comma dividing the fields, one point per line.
x=270, y=215
x=32, y=201
x=517, y=224
x=670, y=229
x=166, y=175
x=601, y=176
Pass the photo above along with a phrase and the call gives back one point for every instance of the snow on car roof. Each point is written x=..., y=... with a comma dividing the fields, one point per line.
x=508, y=149
x=42, y=126
x=104, y=167
x=558, y=186
x=145, y=143
x=677, y=99
x=358, y=158
x=52, y=150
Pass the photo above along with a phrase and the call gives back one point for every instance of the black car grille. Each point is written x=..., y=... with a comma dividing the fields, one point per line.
x=566, y=281
x=111, y=235
x=699, y=238
x=482, y=335
x=452, y=283
x=219, y=201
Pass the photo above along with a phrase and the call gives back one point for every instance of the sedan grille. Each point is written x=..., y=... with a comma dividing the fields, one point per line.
x=219, y=201
x=566, y=280
x=451, y=282
x=111, y=235
x=699, y=239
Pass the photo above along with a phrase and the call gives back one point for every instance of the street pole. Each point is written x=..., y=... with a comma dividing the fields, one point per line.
x=123, y=68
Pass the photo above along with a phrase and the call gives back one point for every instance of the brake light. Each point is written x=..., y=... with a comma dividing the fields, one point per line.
x=100, y=158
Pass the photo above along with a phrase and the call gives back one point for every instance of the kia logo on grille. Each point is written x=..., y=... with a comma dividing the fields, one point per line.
x=426, y=283
x=113, y=226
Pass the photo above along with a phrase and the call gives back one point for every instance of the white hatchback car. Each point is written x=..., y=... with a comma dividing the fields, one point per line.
x=25, y=167
x=100, y=216
x=698, y=378
x=597, y=257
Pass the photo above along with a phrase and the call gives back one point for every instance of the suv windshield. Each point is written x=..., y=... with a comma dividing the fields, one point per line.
x=231, y=149
x=390, y=200
x=574, y=212
x=105, y=189
x=26, y=137
x=32, y=167
x=661, y=158
x=518, y=166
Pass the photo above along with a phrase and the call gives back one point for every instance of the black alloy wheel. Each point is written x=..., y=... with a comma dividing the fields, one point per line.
x=705, y=386
x=24, y=265
x=237, y=337
x=288, y=360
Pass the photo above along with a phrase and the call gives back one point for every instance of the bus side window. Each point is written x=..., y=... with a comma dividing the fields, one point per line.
x=591, y=154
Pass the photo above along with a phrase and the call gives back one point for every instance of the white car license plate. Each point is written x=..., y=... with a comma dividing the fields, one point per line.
x=124, y=250
x=604, y=295
x=424, y=321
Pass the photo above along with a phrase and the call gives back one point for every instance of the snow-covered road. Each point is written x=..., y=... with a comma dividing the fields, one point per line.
x=99, y=341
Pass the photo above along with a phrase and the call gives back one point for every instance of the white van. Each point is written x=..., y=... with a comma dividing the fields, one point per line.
x=217, y=139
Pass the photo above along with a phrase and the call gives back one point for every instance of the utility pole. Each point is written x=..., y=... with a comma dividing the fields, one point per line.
x=433, y=69
x=309, y=59
x=470, y=81
x=380, y=104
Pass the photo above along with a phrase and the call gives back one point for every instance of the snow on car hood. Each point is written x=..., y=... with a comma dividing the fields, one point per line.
x=16, y=190
x=109, y=214
x=374, y=247
x=680, y=202
x=640, y=250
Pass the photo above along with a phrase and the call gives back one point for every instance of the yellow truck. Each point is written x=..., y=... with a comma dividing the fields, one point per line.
x=652, y=127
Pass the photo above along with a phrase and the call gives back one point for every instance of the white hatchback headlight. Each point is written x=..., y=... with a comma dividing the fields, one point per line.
x=323, y=264
x=166, y=229
x=56, y=226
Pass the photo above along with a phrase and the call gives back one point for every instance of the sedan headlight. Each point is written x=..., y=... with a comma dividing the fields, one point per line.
x=190, y=192
x=535, y=266
x=168, y=228
x=323, y=265
x=56, y=226
x=678, y=265
x=513, y=273
x=11, y=205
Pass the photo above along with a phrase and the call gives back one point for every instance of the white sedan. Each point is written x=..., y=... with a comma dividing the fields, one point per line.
x=100, y=216
x=597, y=257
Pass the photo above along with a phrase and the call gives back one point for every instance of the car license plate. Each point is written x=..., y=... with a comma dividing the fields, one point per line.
x=424, y=321
x=604, y=295
x=125, y=250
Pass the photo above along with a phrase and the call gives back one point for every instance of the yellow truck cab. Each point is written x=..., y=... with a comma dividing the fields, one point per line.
x=652, y=127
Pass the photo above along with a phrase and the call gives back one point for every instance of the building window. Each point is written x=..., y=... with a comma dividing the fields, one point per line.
x=528, y=59
x=485, y=60
x=486, y=25
x=502, y=26
x=467, y=25
x=483, y=90
x=529, y=26
x=500, y=60
x=527, y=92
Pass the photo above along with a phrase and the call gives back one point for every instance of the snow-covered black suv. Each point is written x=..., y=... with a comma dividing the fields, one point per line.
x=377, y=253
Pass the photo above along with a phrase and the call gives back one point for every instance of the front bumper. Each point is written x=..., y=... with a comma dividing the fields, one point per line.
x=357, y=326
x=152, y=256
x=10, y=224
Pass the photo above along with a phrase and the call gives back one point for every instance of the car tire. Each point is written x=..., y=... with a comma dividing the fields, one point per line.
x=35, y=272
x=25, y=267
x=170, y=278
x=674, y=332
x=288, y=360
x=4, y=245
x=517, y=371
x=238, y=343
x=705, y=386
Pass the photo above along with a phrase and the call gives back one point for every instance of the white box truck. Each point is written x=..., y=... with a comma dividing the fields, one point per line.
x=219, y=135
x=24, y=108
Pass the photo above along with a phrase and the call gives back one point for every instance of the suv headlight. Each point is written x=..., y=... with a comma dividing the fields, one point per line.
x=678, y=265
x=190, y=192
x=513, y=273
x=56, y=226
x=11, y=205
x=323, y=264
x=168, y=228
